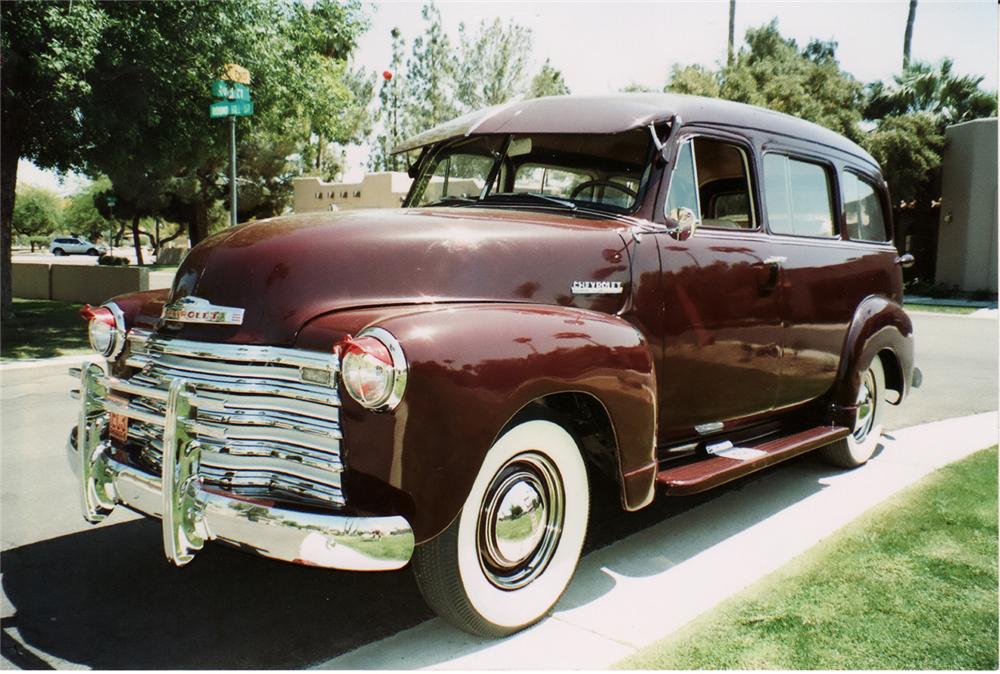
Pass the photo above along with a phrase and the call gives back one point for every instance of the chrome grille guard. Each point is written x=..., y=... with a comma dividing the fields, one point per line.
x=196, y=454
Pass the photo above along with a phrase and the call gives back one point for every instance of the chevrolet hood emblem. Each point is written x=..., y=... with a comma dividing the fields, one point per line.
x=197, y=310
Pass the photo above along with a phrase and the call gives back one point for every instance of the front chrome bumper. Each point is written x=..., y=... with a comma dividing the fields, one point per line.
x=192, y=515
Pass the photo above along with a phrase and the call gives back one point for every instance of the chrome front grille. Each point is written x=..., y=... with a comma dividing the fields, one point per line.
x=262, y=429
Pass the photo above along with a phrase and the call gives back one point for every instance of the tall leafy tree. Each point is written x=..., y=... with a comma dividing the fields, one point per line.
x=430, y=73
x=81, y=213
x=774, y=72
x=334, y=108
x=393, y=120
x=48, y=51
x=548, y=82
x=493, y=63
x=37, y=213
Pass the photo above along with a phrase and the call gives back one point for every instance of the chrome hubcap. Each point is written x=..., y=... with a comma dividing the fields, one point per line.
x=866, y=408
x=520, y=521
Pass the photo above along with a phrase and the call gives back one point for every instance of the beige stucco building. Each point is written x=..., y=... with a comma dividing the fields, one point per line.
x=967, y=232
x=376, y=190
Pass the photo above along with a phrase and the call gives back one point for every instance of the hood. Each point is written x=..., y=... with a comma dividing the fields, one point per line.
x=286, y=271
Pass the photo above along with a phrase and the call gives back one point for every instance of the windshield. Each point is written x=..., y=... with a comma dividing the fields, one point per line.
x=603, y=171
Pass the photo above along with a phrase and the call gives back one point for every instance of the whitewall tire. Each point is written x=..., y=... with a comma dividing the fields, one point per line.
x=511, y=552
x=858, y=447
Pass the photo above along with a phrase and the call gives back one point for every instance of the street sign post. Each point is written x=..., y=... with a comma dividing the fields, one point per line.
x=234, y=90
x=111, y=201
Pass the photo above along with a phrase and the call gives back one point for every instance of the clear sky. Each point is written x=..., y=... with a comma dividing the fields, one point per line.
x=602, y=46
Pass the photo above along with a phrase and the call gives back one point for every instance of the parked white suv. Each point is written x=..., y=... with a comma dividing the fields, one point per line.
x=69, y=245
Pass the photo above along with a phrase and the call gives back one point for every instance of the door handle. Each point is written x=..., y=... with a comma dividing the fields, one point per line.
x=774, y=263
x=905, y=260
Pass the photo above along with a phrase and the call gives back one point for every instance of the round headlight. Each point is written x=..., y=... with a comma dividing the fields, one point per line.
x=105, y=329
x=373, y=369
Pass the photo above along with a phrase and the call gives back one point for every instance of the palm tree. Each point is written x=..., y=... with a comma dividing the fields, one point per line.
x=908, y=36
x=732, y=31
x=922, y=87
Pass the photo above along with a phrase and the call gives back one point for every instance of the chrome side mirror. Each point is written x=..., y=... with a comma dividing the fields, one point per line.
x=686, y=223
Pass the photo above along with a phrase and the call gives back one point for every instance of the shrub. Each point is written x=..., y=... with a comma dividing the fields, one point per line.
x=112, y=261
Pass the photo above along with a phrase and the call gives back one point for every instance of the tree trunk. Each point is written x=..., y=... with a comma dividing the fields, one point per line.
x=198, y=227
x=10, y=153
x=732, y=31
x=136, y=241
x=118, y=235
x=908, y=36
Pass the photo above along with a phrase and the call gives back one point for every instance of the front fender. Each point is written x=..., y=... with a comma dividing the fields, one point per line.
x=879, y=324
x=471, y=369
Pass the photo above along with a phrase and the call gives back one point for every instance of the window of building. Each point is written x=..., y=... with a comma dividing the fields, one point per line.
x=798, y=196
x=862, y=209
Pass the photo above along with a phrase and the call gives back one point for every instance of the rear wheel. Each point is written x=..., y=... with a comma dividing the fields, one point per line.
x=511, y=552
x=58, y=252
x=858, y=447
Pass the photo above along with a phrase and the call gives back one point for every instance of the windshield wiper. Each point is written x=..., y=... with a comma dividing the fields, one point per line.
x=452, y=201
x=512, y=197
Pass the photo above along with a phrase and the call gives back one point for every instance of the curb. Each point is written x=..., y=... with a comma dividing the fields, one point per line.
x=49, y=362
x=979, y=314
x=643, y=588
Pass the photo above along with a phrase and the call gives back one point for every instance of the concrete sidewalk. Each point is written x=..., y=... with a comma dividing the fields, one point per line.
x=644, y=587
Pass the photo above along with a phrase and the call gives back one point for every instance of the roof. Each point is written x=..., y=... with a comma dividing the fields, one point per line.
x=615, y=113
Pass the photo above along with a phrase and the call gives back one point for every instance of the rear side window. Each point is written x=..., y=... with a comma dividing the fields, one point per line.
x=798, y=197
x=862, y=209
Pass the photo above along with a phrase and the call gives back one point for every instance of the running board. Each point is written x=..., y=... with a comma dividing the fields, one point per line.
x=732, y=463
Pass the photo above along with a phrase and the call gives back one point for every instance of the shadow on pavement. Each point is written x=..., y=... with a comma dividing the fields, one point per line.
x=655, y=547
x=108, y=599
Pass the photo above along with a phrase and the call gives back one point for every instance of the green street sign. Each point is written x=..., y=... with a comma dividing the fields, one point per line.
x=228, y=108
x=239, y=92
x=219, y=109
x=233, y=91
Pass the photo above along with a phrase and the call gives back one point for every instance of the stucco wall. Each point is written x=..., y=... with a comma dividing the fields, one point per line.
x=376, y=190
x=967, y=234
x=31, y=281
x=76, y=283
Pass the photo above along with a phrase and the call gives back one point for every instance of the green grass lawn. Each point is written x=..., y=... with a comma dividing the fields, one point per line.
x=940, y=309
x=911, y=585
x=43, y=329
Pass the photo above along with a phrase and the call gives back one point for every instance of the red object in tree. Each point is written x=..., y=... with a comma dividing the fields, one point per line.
x=387, y=75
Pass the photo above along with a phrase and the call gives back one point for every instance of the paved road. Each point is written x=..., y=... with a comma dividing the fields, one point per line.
x=103, y=597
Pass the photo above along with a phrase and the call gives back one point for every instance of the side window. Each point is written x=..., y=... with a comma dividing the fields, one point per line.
x=683, y=184
x=798, y=196
x=723, y=185
x=862, y=209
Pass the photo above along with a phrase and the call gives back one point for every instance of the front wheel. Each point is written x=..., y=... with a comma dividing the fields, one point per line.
x=511, y=552
x=858, y=447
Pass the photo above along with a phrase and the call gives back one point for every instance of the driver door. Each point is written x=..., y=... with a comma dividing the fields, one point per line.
x=721, y=290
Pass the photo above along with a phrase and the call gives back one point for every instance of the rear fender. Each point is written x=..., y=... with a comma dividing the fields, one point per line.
x=879, y=324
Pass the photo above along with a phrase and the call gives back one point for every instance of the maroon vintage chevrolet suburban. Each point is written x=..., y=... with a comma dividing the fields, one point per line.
x=662, y=291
